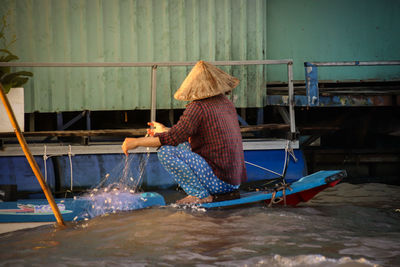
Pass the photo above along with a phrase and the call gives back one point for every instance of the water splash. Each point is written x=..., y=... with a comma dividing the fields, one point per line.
x=191, y=207
x=117, y=191
x=126, y=176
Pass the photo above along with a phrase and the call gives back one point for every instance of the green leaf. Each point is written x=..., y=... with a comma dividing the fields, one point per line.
x=8, y=58
x=7, y=88
x=23, y=73
x=16, y=79
x=18, y=82
x=4, y=70
x=6, y=51
x=11, y=79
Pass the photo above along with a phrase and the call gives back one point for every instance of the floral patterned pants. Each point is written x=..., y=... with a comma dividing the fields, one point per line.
x=192, y=172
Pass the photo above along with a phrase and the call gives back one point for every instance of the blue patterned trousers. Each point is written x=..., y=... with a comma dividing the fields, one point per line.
x=192, y=172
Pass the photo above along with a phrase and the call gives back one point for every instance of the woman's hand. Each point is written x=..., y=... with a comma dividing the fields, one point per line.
x=129, y=143
x=156, y=128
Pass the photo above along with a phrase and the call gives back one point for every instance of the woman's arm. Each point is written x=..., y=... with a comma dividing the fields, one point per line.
x=187, y=126
x=132, y=143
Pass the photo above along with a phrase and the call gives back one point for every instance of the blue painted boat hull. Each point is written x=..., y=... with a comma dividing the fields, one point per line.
x=88, y=170
x=301, y=191
x=38, y=210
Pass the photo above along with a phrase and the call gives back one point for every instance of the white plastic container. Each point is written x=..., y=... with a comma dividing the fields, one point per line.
x=16, y=99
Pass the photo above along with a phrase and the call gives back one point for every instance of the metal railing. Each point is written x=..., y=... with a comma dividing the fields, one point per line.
x=155, y=65
x=311, y=69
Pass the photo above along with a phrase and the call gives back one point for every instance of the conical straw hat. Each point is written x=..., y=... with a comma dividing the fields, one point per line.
x=205, y=80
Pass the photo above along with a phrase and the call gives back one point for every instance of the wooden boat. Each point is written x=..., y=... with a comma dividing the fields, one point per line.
x=292, y=194
x=75, y=209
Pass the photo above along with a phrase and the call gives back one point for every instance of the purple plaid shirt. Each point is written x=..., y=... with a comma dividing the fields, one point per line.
x=214, y=132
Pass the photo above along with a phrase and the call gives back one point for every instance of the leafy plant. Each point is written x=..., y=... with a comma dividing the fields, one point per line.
x=8, y=78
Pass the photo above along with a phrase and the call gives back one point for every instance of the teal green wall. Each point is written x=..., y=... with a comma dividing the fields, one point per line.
x=132, y=31
x=334, y=30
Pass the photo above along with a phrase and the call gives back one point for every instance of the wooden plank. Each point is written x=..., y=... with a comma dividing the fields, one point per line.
x=119, y=132
x=134, y=132
x=141, y=132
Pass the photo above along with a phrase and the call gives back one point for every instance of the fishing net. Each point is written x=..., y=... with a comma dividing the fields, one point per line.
x=126, y=176
x=118, y=190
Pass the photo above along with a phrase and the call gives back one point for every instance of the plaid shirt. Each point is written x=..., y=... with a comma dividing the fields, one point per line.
x=213, y=129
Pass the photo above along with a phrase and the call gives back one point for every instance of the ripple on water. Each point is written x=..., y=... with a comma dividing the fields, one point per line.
x=323, y=233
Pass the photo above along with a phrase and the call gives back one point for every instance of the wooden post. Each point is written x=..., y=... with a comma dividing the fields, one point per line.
x=30, y=158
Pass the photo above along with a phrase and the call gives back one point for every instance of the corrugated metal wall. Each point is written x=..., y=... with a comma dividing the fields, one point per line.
x=132, y=31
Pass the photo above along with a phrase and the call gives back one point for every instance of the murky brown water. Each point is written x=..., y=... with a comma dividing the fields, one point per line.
x=349, y=225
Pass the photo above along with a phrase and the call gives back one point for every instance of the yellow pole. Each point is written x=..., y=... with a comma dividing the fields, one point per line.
x=30, y=158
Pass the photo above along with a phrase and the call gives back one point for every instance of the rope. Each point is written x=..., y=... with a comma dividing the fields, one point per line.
x=70, y=164
x=45, y=157
x=278, y=200
x=272, y=199
x=284, y=196
x=265, y=169
x=288, y=151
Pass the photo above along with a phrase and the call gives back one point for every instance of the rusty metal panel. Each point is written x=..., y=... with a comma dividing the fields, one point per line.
x=132, y=31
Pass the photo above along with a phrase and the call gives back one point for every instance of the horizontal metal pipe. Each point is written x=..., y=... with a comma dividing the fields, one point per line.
x=140, y=64
x=357, y=63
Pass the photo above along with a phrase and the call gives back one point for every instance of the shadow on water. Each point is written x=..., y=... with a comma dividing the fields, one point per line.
x=348, y=225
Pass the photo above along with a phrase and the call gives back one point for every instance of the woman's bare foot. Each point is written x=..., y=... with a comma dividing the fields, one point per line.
x=194, y=200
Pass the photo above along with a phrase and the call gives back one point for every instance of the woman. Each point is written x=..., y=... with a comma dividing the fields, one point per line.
x=212, y=162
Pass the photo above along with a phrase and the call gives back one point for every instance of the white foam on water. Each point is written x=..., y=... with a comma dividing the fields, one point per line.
x=192, y=207
x=319, y=260
x=112, y=202
x=300, y=260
